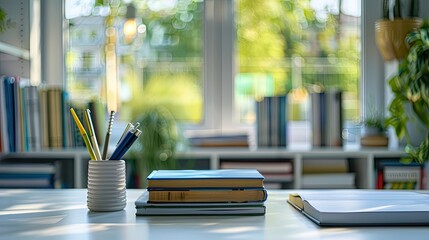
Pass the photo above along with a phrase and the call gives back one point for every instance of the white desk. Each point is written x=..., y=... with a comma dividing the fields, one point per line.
x=62, y=214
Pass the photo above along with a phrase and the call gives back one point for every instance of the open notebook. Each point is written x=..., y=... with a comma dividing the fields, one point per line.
x=363, y=207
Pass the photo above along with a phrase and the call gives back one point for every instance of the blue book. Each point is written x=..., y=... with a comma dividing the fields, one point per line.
x=222, y=178
x=10, y=111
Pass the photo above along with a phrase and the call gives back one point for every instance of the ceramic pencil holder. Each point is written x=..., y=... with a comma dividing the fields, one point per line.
x=106, y=185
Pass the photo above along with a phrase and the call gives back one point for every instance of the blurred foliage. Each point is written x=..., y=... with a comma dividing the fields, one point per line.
x=268, y=33
x=155, y=147
x=5, y=22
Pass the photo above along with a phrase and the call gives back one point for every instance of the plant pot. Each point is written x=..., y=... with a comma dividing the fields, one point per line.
x=373, y=137
x=390, y=36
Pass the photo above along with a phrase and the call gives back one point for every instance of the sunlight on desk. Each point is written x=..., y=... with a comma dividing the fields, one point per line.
x=236, y=230
x=63, y=214
x=71, y=230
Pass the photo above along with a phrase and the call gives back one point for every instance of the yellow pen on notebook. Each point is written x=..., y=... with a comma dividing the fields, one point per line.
x=84, y=135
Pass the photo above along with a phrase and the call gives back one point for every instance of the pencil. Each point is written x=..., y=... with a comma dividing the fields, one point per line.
x=92, y=134
x=84, y=135
x=109, y=131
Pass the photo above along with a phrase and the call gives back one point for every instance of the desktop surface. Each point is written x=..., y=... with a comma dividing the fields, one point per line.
x=63, y=214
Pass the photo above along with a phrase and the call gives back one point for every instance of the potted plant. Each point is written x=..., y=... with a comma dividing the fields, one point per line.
x=392, y=29
x=374, y=132
x=156, y=146
x=410, y=87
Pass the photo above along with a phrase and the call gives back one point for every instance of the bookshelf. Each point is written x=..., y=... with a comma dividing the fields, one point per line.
x=362, y=161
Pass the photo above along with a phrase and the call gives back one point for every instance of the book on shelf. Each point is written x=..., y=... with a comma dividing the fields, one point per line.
x=146, y=208
x=281, y=171
x=31, y=118
x=55, y=117
x=326, y=118
x=27, y=182
x=328, y=180
x=271, y=121
x=44, y=113
x=38, y=168
x=217, y=139
x=261, y=165
x=362, y=207
x=321, y=165
x=398, y=175
x=222, y=178
x=11, y=127
x=207, y=195
x=27, y=175
x=4, y=116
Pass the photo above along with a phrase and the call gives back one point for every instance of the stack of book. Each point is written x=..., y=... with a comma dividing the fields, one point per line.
x=203, y=192
x=393, y=174
x=28, y=175
x=319, y=173
x=276, y=172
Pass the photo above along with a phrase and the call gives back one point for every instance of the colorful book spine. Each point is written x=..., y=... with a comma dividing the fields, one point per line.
x=398, y=175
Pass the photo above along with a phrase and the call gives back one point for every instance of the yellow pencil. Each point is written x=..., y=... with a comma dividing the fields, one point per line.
x=84, y=135
x=92, y=134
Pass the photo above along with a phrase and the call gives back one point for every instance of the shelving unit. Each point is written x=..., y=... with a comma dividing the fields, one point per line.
x=362, y=160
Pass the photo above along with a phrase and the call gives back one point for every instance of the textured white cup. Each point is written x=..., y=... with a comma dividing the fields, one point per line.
x=106, y=185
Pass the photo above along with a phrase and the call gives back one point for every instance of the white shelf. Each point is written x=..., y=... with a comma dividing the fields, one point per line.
x=14, y=51
x=361, y=158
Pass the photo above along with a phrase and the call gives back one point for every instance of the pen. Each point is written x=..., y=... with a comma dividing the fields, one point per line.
x=125, y=144
x=109, y=131
x=92, y=134
x=83, y=133
x=130, y=143
x=130, y=126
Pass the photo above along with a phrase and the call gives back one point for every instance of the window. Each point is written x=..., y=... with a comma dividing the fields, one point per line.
x=298, y=46
x=161, y=64
x=208, y=61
